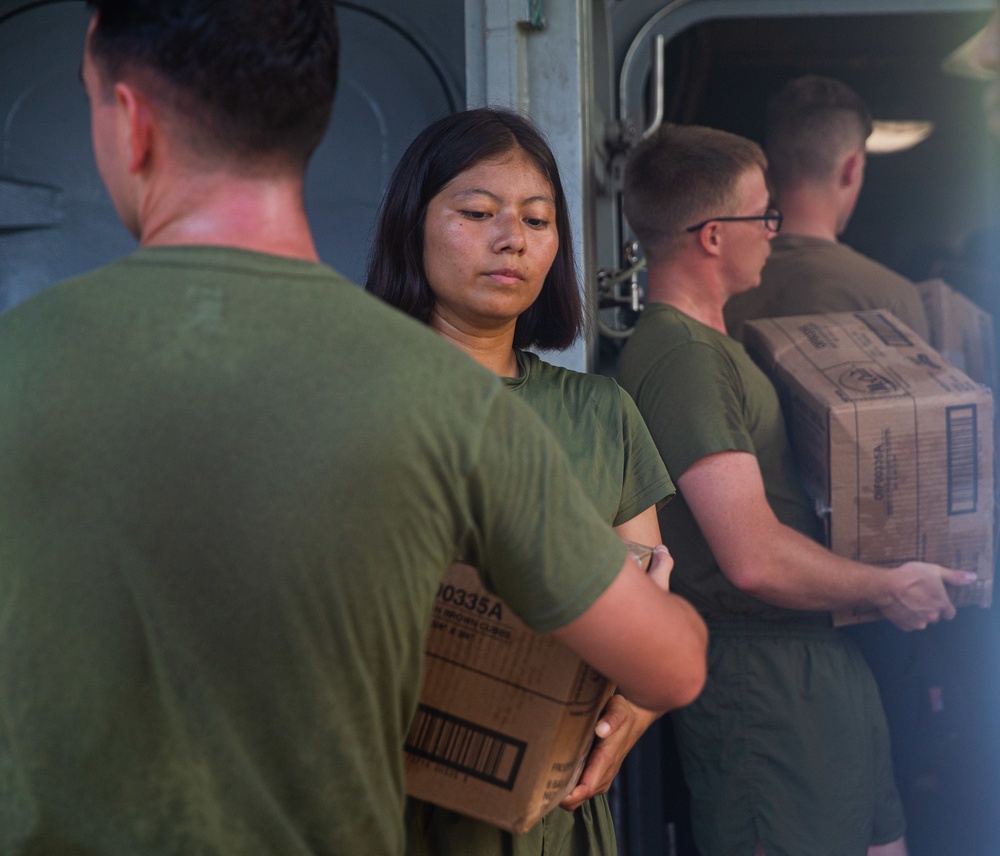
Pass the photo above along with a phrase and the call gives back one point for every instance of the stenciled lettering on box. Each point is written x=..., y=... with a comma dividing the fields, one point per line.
x=473, y=601
x=864, y=379
x=884, y=472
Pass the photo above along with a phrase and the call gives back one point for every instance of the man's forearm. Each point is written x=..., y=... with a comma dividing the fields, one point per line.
x=774, y=563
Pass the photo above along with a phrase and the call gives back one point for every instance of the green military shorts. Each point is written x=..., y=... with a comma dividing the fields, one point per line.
x=788, y=742
x=434, y=831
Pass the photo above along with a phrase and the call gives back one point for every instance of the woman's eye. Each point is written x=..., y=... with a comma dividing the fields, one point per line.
x=536, y=222
x=475, y=215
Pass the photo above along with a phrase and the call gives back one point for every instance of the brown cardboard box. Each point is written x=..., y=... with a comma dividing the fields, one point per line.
x=893, y=443
x=506, y=715
x=961, y=331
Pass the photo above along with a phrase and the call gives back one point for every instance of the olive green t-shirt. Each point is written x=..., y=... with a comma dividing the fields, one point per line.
x=228, y=491
x=808, y=276
x=700, y=394
x=600, y=429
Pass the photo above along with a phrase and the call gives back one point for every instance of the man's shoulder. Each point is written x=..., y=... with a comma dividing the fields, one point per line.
x=147, y=268
x=828, y=259
x=190, y=291
x=666, y=341
x=71, y=298
x=870, y=267
x=664, y=328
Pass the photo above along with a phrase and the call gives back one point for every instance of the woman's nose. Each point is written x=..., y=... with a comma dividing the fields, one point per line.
x=510, y=234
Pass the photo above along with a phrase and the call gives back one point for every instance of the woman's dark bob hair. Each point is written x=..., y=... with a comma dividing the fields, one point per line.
x=438, y=154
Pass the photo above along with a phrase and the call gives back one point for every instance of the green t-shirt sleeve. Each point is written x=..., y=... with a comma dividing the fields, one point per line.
x=693, y=406
x=536, y=539
x=645, y=481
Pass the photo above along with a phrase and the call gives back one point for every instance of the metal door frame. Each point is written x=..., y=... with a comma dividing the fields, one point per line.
x=632, y=52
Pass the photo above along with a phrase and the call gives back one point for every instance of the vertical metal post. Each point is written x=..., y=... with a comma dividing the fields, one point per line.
x=543, y=66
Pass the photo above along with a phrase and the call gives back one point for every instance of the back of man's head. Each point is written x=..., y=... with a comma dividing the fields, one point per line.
x=680, y=175
x=251, y=79
x=811, y=124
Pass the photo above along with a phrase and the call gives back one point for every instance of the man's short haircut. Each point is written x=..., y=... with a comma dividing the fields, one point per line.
x=811, y=123
x=438, y=154
x=250, y=79
x=681, y=175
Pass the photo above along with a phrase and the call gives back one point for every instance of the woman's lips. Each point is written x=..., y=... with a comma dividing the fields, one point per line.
x=508, y=276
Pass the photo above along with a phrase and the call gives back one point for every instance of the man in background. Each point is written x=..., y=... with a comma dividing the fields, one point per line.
x=228, y=493
x=815, y=136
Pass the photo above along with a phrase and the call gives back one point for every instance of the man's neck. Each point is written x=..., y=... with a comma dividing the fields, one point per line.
x=696, y=295
x=265, y=215
x=809, y=212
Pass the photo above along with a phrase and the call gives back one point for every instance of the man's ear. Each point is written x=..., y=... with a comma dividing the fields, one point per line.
x=710, y=238
x=852, y=169
x=135, y=119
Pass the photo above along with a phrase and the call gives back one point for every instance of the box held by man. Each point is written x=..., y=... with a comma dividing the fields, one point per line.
x=893, y=442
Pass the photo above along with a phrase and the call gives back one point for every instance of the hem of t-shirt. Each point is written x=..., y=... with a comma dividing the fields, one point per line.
x=657, y=494
x=678, y=467
x=609, y=566
x=880, y=839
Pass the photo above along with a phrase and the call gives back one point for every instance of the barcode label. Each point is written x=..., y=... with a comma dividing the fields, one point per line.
x=882, y=327
x=466, y=747
x=963, y=461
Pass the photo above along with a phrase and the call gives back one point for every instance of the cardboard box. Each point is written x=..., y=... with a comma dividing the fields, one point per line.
x=960, y=331
x=506, y=715
x=893, y=443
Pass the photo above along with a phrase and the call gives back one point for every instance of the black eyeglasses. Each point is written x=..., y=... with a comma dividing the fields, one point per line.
x=772, y=220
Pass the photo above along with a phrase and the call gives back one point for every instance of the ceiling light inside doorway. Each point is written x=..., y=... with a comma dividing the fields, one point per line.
x=889, y=136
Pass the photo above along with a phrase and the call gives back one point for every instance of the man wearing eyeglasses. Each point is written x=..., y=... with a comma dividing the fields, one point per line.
x=786, y=750
x=815, y=144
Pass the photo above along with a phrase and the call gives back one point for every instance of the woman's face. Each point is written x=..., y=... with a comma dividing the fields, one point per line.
x=489, y=240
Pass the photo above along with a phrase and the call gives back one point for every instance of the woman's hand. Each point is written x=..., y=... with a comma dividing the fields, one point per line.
x=660, y=566
x=620, y=726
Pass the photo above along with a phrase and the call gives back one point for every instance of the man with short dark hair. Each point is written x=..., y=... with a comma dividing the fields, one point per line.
x=786, y=749
x=815, y=137
x=228, y=492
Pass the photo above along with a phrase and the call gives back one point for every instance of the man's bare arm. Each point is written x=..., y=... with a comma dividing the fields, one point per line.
x=776, y=564
x=622, y=723
x=649, y=642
